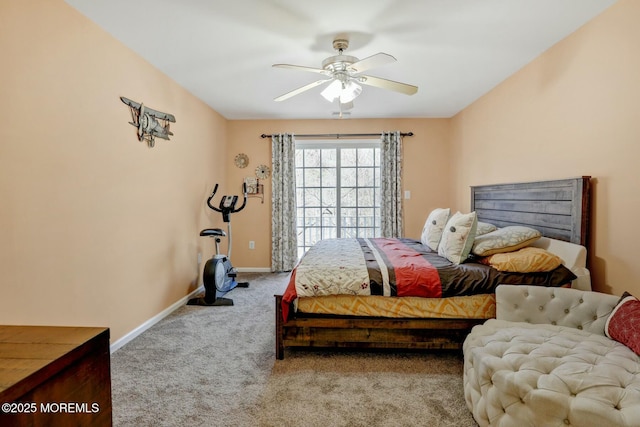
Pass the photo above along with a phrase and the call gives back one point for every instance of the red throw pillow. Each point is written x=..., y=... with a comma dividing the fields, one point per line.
x=623, y=324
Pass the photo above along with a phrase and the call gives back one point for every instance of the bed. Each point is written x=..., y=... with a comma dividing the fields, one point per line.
x=372, y=314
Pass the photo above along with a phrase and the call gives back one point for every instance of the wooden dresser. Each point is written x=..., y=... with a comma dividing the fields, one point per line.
x=54, y=376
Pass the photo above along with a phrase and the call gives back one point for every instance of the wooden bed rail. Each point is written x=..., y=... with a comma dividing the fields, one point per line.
x=369, y=332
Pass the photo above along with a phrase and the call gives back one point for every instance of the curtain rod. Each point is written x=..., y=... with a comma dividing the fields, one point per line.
x=339, y=135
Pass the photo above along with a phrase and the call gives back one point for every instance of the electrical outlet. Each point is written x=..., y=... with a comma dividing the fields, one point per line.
x=252, y=244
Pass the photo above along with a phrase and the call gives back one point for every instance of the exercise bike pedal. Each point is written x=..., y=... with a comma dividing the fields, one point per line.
x=242, y=285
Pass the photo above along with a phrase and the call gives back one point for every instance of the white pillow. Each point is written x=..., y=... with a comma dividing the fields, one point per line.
x=433, y=227
x=506, y=239
x=484, y=228
x=458, y=236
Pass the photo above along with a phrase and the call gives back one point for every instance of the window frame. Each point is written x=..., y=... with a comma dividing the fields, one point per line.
x=340, y=228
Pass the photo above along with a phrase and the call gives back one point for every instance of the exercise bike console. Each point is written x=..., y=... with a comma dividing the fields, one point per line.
x=219, y=275
x=228, y=202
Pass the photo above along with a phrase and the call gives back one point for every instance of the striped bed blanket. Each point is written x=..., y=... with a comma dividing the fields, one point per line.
x=399, y=268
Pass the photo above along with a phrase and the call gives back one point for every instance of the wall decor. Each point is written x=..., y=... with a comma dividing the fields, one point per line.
x=251, y=183
x=241, y=160
x=263, y=171
x=150, y=123
x=254, y=188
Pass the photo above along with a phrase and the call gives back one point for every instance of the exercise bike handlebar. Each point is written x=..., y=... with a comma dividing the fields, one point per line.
x=244, y=200
x=213, y=193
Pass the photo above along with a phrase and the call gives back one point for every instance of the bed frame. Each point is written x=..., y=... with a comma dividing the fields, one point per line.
x=559, y=209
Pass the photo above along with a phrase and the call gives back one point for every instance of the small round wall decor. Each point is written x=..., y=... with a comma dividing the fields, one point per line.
x=241, y=160
x=263, y=171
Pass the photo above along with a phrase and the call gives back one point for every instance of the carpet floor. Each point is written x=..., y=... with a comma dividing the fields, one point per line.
x=216, y=366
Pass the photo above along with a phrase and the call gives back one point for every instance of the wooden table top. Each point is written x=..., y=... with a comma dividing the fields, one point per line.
x=26, y=350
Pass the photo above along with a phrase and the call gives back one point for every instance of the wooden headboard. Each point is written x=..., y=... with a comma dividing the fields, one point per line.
x=559, y=208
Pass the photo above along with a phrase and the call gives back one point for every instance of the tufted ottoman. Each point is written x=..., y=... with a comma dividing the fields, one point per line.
x=545, y=373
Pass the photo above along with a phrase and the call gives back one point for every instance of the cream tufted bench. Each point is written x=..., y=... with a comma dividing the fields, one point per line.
x=545, y=361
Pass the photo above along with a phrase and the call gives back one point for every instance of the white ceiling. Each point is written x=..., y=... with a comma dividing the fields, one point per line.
x=453, y=50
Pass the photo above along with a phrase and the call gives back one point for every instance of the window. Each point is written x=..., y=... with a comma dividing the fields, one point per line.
x=338, y=190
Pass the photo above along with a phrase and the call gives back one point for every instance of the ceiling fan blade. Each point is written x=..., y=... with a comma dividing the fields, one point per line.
x=300, y=90
x=372, y=61
x=302, y=68
x=407, y=89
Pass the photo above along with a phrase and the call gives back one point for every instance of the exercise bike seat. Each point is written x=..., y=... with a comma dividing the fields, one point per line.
x=212, y=232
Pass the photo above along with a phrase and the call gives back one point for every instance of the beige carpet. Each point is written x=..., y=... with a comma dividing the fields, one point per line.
x=205, y=366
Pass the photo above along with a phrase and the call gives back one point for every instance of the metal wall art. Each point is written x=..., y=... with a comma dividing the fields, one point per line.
x=150, y=123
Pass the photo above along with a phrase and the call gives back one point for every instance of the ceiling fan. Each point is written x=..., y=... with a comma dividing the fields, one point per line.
x=345, y=76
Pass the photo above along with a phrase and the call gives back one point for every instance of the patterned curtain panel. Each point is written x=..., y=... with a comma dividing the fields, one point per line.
x=391, y=171
x=284, y=252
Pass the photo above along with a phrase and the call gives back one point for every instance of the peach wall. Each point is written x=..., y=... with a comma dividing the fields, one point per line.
x=572, y=111
x=97, y=229
x=426, y=157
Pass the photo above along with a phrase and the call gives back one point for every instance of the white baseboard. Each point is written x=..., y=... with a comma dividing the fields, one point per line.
x=164, y=313
x=155, y=319
x=253, y=269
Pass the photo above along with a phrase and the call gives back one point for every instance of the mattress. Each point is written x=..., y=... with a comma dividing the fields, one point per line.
x=463, y=307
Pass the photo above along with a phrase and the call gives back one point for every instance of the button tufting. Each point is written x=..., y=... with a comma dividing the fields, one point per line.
x=541, y=308
x=550, y=346
x=433, y=222
x=453, y=229
x=581, y=301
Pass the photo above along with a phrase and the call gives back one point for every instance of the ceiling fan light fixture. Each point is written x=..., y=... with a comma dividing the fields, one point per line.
x=333, y=91
x=346, y=92
x=350, y=92
x=346, y=106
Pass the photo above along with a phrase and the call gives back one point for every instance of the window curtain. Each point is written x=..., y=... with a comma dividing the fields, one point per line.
x=284, y=251
x=391, y=174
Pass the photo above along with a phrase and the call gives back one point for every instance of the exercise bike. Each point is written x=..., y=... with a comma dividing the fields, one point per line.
x=219, y=275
